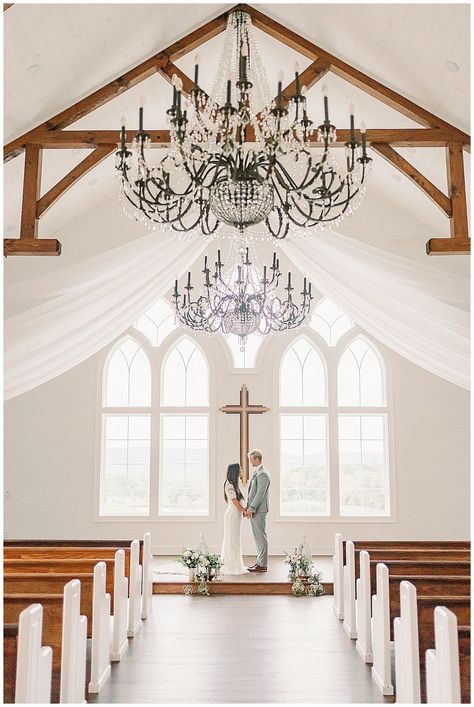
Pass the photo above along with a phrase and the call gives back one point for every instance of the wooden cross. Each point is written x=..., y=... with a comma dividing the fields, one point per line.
x=244, y=410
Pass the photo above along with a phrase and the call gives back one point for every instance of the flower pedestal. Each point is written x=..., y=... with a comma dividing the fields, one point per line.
x=192, y=574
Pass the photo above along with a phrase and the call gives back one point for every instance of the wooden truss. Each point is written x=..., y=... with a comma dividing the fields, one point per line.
x=51, y=135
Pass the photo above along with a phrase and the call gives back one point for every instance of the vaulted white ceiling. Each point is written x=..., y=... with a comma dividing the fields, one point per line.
x=58, y=53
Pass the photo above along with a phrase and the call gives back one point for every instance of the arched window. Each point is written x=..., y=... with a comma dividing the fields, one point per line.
x=157, y=322
x=360, y=376
x=330, y=321
x=302, y=376
x=304, y=463
x=363, y=448
x=126, y=415
x=184, y=467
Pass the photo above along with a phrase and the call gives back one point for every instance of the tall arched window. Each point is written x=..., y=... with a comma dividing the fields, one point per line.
x=184, y=467
x=157, y=322
x=126, y=411
x=363, y=452
x=330, y=321
x=304, y=464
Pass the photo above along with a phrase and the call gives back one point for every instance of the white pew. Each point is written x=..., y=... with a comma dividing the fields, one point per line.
x=338, y=572
x=364, y=635
x=100, y=649
x=349, y=591
x=34, y=662
x=407, y=659
x=135, y=591
x=443, y=682
x=147, y=584
x=120, y=620
x=73, y=647
x=381, y=669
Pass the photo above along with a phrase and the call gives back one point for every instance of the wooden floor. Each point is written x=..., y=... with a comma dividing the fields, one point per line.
x=233, y=649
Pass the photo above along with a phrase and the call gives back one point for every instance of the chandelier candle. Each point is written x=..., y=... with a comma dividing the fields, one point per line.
x=247, y=164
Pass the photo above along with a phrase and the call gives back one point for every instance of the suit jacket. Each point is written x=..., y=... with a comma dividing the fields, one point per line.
x=257, y=500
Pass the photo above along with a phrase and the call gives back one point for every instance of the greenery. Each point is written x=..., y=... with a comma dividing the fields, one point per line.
x=206, y=566
x=304, y=579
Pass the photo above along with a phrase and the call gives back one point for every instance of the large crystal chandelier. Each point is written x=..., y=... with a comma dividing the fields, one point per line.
x=239, y=157
x=242, y=299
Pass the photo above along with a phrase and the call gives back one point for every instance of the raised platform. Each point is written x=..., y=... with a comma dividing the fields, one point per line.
x=170, y=578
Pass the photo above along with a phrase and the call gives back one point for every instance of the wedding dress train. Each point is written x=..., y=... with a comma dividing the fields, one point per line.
x=231, y=554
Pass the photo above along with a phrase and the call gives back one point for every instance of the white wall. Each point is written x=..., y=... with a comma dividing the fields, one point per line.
x=52, y=456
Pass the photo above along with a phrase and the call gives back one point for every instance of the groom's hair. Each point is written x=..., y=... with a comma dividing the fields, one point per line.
x=256, y=454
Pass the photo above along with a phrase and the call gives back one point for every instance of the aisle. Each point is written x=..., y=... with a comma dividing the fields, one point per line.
x=240, y=649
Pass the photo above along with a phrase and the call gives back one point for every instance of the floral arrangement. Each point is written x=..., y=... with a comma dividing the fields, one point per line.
x=190, y=558
x=202, y=566
x=304, y=580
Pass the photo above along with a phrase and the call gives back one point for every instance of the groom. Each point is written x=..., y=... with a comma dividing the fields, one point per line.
x=257, y=509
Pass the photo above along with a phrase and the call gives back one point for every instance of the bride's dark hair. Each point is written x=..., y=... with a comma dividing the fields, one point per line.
x=233, y=473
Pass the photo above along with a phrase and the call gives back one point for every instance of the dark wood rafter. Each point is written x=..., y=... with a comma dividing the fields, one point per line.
x=403, y=166
x=120, y=84
x=459, y=242
x=82, y=139
x=352, y=75
x=435, y=133
x=28, y=243
x=7, y=6
x=80, y=170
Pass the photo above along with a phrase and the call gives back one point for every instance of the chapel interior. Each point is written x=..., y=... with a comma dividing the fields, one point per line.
x=231, y=228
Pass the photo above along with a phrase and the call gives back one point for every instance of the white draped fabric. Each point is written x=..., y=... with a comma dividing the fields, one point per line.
x=417, y=312
x=412, y=309
x=93, y=302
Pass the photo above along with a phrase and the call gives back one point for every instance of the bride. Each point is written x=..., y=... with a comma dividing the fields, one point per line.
x=231, y=555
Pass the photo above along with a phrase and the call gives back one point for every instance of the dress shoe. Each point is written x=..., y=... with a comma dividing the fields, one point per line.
x=257, y=568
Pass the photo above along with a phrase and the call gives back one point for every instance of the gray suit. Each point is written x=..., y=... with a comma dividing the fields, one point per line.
x=257, y=502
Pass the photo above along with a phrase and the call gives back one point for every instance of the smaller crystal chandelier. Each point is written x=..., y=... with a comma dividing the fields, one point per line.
x=238, y=299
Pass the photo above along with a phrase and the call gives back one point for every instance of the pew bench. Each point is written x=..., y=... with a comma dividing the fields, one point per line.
x=51, y=583
x=61, y=565
x=10, y=646
x=13, y=605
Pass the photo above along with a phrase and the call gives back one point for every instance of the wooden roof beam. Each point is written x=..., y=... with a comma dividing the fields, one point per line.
x=352, y=75
x=28, y=243
x=80, y=170
x=80, y=139
x=122, y=83
x=403, y=166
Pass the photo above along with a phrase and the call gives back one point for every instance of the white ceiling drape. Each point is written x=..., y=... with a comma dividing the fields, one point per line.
x=418, y=313
x=92, y=303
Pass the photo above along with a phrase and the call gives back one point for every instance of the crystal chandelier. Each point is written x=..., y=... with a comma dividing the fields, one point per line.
x=239, y=157
x=240, y=299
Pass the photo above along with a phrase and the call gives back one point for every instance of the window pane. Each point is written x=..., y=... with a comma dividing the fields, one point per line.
x=185, y=377
x=360, y=376
x=302, y=377
x=363, y=465
x=304, y=483
x=330, y=321
x=184, y=477
x=128, y=377
x=157, y=322
x=125, y=471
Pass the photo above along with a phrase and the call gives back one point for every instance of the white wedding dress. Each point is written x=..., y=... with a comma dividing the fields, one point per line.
x=231, y=554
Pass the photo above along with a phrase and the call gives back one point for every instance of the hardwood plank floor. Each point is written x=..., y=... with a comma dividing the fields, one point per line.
x=250, y=649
